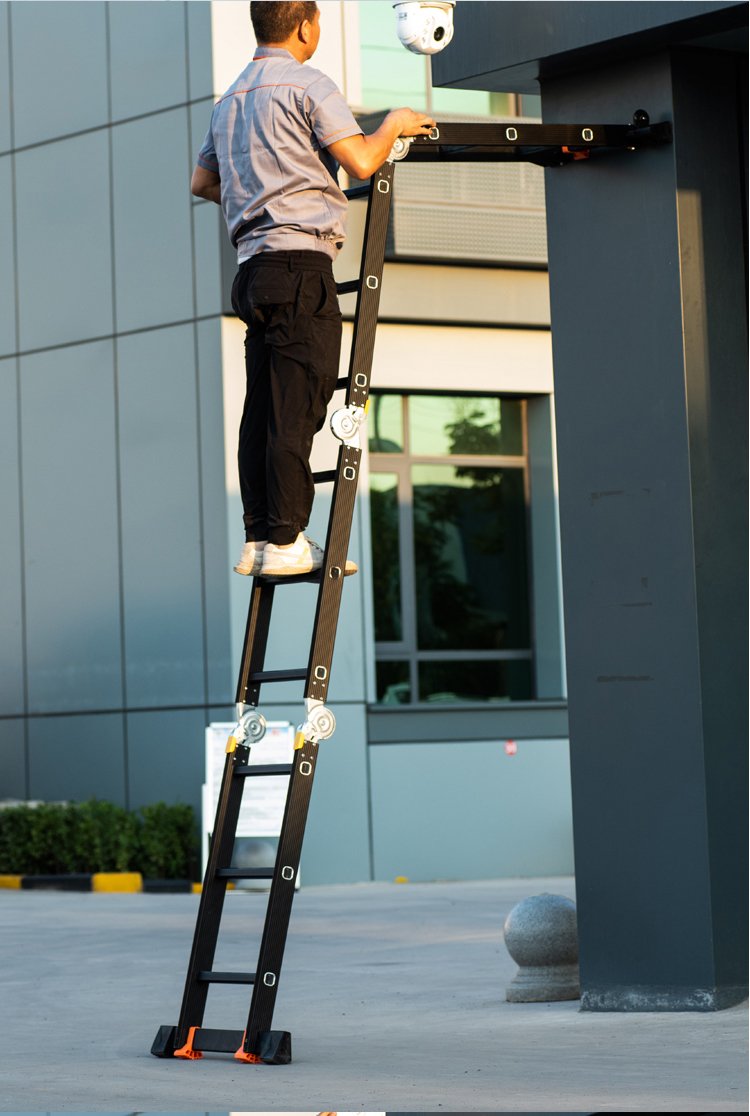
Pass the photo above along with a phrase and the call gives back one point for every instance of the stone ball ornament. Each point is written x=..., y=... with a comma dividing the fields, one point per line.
x=541, y=935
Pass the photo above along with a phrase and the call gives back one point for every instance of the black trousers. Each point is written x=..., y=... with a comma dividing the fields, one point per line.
x=289, y=304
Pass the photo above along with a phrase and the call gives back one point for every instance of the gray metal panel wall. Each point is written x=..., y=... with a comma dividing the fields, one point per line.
x=5, y=135
x=59, y=70
x=71, y=540
x=148, y=60
x=165, y=757
x=151, y=199
x=115, y=564
x=13, y=757
x=11, y=598
x=77, y=758
x=7, y=276
x=519, y=822
x=219, y=677
x=63, y=228
x=160, y=500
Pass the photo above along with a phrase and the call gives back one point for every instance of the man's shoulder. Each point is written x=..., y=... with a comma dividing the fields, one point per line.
x=316, y=81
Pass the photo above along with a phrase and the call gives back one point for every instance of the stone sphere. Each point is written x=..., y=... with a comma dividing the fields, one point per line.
x=542, y=930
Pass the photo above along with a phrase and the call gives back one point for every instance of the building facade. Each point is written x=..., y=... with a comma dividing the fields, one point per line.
x=122, y=379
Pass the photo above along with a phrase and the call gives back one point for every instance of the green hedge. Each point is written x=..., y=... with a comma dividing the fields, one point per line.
x=159, y=841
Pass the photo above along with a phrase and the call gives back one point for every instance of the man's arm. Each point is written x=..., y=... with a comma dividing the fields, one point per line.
x=206, y=184
x=360, y=156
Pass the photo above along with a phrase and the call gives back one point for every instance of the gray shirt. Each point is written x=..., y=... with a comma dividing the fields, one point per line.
x=267, y=142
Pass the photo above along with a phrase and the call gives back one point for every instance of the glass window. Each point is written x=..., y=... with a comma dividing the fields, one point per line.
x=450, y=548
x=458, y=425
x=385, y=423
x=467, y=681
x=386, y=566
x=393, y=685
x=470, y=558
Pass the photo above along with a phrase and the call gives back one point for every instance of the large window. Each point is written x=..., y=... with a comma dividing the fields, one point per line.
x=448, y=505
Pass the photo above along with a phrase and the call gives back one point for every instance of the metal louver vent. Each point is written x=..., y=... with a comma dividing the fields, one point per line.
x=483, y=211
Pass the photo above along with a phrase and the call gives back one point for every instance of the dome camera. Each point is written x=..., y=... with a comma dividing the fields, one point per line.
x=425, y=28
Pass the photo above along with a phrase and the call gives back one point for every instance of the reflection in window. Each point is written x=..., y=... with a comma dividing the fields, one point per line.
x=470, y=558
x=385, y=424
x=463, y=680
x=462, y=425
x=393, y=686
x=385, y=556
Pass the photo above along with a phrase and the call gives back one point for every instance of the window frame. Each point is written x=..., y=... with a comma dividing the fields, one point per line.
x=400, y=464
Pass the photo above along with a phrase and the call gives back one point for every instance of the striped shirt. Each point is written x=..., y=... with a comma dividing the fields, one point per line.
x=267, y=142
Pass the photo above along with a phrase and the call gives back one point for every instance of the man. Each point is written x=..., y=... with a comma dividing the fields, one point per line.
x=270, y=160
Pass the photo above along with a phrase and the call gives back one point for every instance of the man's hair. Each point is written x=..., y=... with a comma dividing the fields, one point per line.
x=275, y=21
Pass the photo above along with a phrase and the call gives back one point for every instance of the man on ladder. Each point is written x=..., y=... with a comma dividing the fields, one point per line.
x=270, y=160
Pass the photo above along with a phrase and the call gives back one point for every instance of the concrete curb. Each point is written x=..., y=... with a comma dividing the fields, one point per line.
x=128, y=882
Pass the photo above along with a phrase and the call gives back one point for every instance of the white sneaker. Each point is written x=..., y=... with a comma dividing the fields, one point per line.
x=251, y=559
x=301, y=557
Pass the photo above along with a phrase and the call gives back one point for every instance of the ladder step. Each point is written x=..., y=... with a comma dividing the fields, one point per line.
x=298, y=674
x=263, y=769
x=349, y=287
x=206, y=977
x=214, y=1041
x=324, y=476
x=244, y=873
x=357, y=192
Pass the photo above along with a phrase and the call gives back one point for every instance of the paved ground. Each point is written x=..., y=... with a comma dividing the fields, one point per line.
x=394, y=995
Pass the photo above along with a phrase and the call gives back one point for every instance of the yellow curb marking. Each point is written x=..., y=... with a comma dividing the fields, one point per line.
x=117, y=881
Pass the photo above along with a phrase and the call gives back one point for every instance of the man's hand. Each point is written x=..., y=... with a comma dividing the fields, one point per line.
x=206, y=184
x=411, y=123
x=360, y=156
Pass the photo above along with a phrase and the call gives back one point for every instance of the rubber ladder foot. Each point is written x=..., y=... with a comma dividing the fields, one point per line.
x=163, y=1044
x=272, y=1048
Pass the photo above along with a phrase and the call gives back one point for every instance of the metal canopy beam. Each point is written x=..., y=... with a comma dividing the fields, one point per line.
x=544, y=144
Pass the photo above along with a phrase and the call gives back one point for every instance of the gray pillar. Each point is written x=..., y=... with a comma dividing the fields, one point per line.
x=649, y=343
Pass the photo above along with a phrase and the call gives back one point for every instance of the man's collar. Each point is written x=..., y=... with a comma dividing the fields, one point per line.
x=272, y=52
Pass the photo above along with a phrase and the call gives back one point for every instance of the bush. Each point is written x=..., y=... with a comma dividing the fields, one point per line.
x=159, y=841
x=166, y=842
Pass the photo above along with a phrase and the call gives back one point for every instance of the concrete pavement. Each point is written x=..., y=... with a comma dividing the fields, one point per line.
x=394, y=995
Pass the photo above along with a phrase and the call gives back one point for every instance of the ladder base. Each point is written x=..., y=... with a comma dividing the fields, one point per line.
x=274, y=1048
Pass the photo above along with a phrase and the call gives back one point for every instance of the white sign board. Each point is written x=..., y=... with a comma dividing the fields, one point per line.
x=263, y=797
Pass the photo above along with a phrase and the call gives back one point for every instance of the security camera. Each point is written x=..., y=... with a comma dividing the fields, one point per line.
x=425, y=28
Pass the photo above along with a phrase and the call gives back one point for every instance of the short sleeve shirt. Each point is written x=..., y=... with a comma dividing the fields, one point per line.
x=267, y=142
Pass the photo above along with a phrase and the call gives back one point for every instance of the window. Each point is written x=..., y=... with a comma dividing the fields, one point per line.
x=448, y=499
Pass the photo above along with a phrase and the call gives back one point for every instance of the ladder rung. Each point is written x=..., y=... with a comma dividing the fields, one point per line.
x=249, y=769
x=325, y=475
x=342, y=382
x=207, y=977
x=296, y=675
x=215, y=1041
x=244, y=873
x=357, y=192
x=349, y=287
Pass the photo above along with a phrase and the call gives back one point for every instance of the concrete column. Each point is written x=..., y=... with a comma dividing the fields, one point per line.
x=649, y=344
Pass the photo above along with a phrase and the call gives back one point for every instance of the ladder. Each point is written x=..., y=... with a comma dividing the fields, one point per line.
x=547, y=145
